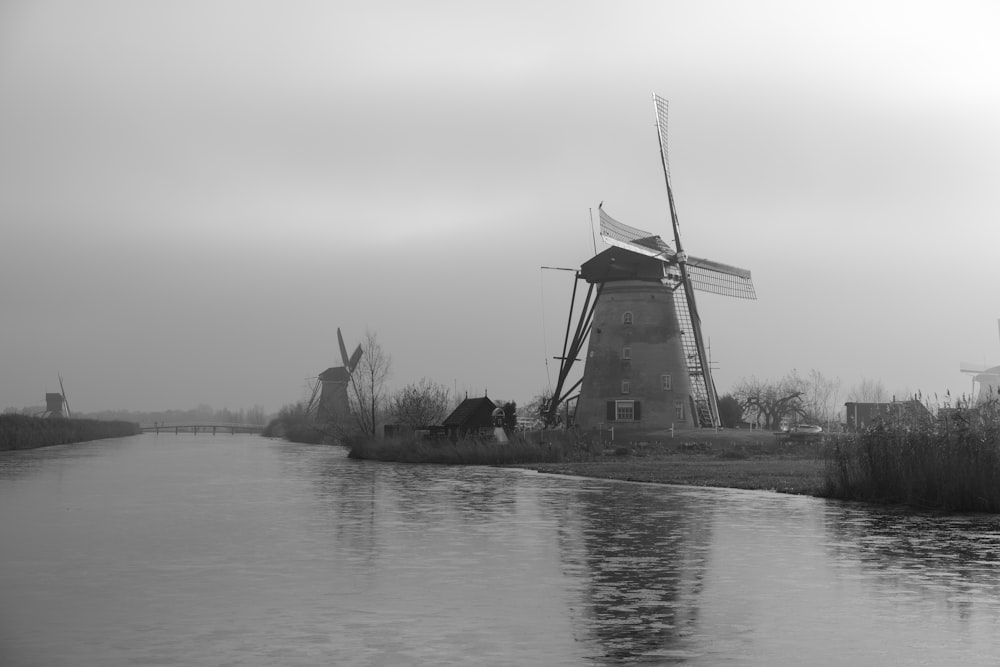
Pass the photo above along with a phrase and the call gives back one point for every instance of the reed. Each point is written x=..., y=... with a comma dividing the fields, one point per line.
x=949, y=462
x=26, y=432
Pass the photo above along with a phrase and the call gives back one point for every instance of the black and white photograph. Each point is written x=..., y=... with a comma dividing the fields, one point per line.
x=385, y=333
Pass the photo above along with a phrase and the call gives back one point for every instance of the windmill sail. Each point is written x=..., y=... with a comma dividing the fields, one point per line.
x=706, y=275
x=699, y=371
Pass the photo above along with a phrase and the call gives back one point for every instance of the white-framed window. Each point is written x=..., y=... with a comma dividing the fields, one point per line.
x=624, y=410
x=626, y=353
x=679, y=410
x=626, y=386
x=666, y=383
x=627, y=317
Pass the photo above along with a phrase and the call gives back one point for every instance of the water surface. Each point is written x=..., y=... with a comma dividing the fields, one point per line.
x=238, y=550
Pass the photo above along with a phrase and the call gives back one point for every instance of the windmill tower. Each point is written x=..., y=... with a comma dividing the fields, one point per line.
x=334, y=405
x=988, y=379
x=646, y=363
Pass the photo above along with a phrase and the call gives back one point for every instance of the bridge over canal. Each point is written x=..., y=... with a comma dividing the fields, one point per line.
x=201, y=427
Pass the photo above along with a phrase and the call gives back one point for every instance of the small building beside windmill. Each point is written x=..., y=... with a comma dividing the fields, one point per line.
x=859, y=416
x=472, y=418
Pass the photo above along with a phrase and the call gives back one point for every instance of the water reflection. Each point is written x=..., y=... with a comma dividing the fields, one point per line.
x=641, y=554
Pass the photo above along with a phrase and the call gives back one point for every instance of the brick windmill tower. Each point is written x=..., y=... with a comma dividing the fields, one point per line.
x=334, y=404
x=646, y=364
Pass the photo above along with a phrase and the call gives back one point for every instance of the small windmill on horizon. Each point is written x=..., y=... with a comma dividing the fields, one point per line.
x=334, y=404
x=988, y=378
x=54, y=403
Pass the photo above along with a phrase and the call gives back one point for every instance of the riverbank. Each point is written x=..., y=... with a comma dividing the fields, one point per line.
x=24, y=432
x=729, y=458
x=803, y=476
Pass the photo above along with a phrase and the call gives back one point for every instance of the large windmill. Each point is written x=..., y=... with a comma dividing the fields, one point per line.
x=988, y=378
x=334, y=405
x=646, y=362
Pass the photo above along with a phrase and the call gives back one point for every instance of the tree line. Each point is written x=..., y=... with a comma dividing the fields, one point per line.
x=813, y=398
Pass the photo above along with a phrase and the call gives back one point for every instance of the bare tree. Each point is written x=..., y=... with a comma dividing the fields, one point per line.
x=421, y=404
x=868, y=391
x=770, y=401
x=821, y=398
x=368, y=393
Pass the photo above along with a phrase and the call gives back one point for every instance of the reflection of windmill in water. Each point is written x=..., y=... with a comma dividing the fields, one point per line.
x=334, y=405
x=646, y=363
x=54, y=403
x=988, y=378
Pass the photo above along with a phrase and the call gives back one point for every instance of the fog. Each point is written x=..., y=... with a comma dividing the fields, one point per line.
x=194, y=197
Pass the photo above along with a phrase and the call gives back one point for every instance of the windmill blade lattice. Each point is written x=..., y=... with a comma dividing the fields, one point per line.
x=706, y=275
x=718, y=278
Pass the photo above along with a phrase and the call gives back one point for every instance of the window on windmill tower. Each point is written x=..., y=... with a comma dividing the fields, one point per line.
x=626, y=386
x=679, y=410
x=627, y=317
x=626, y=353
x=665, y=382
x=625, y=410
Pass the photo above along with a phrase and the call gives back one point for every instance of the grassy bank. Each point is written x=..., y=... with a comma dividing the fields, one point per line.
x=735, y=459
x=771, y=473
x=23, y=432
x=950, y=462
x=728, y=458
x=463, y=452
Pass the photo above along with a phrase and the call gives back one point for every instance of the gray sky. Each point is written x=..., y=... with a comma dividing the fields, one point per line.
x=194, y=196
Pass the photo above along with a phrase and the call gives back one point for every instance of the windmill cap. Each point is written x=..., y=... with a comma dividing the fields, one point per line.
x=335, y=374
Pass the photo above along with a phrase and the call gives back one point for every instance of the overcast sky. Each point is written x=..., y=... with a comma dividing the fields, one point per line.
x=194, y=196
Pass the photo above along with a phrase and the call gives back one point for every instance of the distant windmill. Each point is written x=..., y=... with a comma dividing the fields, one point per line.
x=647, y=363
x=334, y=405
x=988, y=379
x=54, y=402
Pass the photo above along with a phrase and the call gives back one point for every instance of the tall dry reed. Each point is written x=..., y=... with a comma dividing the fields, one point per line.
x=947, y=458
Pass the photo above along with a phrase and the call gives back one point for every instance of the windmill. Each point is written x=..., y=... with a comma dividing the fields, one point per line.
x=54, y=402
x=334, y=405
x=988, y=379
x=646, y=361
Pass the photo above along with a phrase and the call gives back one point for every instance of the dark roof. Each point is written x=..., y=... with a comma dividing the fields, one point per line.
x=335, y=374
x=470, y=412
x=618, y=264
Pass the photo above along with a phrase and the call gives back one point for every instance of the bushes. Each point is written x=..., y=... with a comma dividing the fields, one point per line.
x=24, y=432
x=950, y=463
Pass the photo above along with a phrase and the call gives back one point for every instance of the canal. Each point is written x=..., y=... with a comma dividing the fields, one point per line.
x=240, y=550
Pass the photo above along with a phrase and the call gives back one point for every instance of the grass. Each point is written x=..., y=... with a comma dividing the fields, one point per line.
x=729, y=458
x=25, y=432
